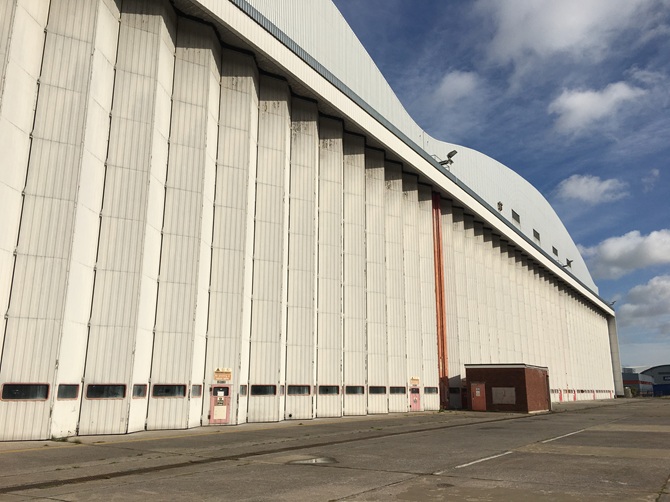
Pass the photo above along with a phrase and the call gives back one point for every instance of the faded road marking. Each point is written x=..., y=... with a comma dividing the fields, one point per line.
x=482, y=460
x=563, y=436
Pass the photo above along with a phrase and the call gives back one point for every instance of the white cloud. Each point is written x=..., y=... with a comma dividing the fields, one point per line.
x=459, y=103
x=582, y=29
x=577, y=110
x=591, y=189
x=457, y=85
x=650, y=179
x=647, y=307
x=617, y=256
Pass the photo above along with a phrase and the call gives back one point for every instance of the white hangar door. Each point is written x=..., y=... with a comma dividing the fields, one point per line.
x=45, y=83
x=413, y=298
x=395, y=289
x=124, y=296
x=301, y=306
x=229, y=315
x=375, y=298
x=329, y=279
x=181, y=312
x=268, y=315
x=353, y=278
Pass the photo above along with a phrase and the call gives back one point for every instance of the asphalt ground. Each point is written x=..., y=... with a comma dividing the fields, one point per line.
x=608, y=450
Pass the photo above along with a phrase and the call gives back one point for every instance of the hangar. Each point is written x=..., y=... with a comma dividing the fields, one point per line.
x=218, y=212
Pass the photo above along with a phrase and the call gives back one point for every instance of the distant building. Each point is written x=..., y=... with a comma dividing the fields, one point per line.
x=641, y=385
x=218, y=212
x=661, y=376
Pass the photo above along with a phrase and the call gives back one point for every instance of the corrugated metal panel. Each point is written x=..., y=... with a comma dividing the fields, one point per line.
x=35, y=314
x=327, y=24
x=329, y=293
x=493, y=290
x=198, y=376
x=124, y=300
x=539, y=316
x=72, y=353
x=186, y=241
x=554, y=334
x=353, y=279
x=375, y=241
x=478, y=297
x=501, y=297
x=518, y=310
x=550, y=319
x=428, y=300
x=7, y=9
x=20, y=72
x=269, y=273
x=301, y=307
x=491, y=331
x=555, y=355
x=506, y=299
x=451, y=242
x=412, y=283
x=459, y=354
x=395, y=285
x=530, y=308
x=535, y=307
x=232, y=242
x=472, y=353
x=524, y=309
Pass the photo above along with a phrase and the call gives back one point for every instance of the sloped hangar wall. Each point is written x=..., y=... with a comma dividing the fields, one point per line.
x=169, y=210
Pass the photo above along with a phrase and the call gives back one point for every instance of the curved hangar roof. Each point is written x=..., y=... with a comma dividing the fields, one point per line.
x=317, y=32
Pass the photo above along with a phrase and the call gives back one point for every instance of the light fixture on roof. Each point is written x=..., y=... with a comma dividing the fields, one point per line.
x=568, y=263
x=448, y=162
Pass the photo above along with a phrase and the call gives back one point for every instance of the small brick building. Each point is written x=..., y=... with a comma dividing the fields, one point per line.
x=508, y=387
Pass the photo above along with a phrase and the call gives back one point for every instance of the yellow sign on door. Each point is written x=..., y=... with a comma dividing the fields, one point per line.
x=223, y=374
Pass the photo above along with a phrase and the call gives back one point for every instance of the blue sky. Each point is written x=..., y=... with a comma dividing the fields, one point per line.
x=574, y=95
